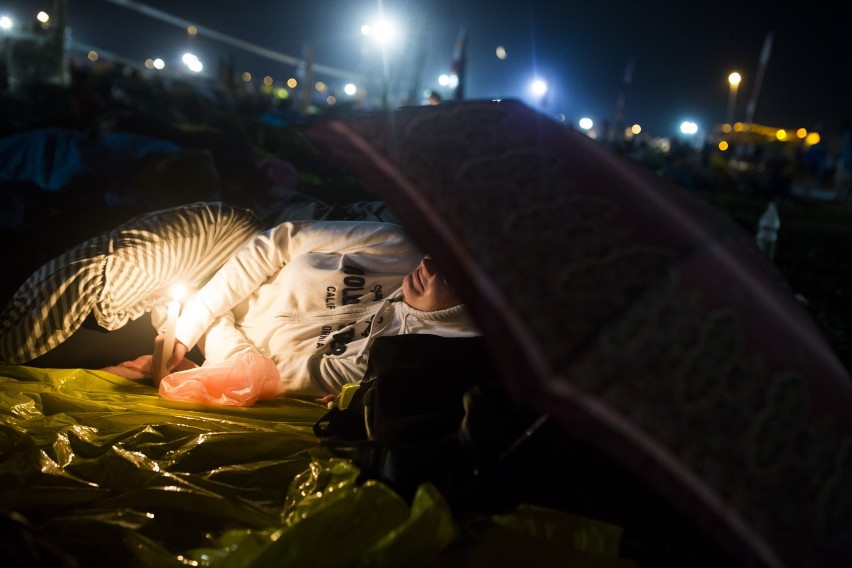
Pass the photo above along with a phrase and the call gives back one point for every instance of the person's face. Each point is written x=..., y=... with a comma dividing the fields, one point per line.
x=426, y=290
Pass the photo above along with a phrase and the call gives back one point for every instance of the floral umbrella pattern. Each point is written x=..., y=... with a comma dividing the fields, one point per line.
x=630, y=312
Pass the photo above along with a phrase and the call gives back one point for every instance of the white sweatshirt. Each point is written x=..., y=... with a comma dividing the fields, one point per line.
x=312, y=296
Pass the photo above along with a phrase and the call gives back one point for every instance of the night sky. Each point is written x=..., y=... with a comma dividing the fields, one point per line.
x=682, y=52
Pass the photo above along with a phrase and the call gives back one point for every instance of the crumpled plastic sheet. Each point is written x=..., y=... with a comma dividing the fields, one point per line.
x=104, y=469
x=98, y=470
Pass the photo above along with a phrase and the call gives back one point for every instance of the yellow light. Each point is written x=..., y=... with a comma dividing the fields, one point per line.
x=726, y=128
x=812, y=138
x=781, y=134
x=801, y=133
x=739, y=127
x=92, y=55
x=42, y=17
x=723, y=145
x=246, y=76
x=501, y=52
x=192, y=30
x=267, y=81
x=149, y=63
x=282, y=93
x=320, y=86
x=734, y=79
x=636, y=129
x=291, y=82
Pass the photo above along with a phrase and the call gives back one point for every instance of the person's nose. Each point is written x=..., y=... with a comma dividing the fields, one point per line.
x=428, y=266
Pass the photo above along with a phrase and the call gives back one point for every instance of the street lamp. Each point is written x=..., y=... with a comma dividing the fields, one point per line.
x=734, y=80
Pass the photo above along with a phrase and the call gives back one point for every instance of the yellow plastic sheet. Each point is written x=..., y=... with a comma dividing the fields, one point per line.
x=99, y=470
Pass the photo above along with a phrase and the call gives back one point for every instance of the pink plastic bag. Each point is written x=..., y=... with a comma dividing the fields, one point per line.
x=239, y=381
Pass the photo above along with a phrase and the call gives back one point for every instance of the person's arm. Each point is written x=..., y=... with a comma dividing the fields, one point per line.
x=318, y=375
x=222, y=341
x=266, y=254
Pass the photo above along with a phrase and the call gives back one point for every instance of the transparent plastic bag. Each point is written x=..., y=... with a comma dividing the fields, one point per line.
x=239, y=381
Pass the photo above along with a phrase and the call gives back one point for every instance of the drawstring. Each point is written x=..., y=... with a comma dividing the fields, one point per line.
x=377, y=317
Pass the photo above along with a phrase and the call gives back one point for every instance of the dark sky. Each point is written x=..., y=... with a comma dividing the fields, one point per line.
x=682, y=51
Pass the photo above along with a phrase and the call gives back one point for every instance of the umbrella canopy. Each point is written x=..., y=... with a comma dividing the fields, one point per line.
x=634, y=314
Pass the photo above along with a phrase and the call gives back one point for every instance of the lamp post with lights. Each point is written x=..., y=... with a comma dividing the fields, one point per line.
x=734, y=82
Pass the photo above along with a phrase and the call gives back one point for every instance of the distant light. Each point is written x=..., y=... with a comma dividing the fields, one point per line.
x=267, y=81
x=734, y=79
x=539, y=87
x=350, y=89
x=688, y=127
x=561, y=117
x=723, y=145
x=501, y=52
x=586, y=123
x=812, y=138
x=92, y=56
x=726, y=128
x=801, y=133
x=192, y=62
x=159, y=64
x=384, y=31
x=192, y=30
x=320, y=86
x=331, y=100
x=6, y=22
x=635, y=129
x=781, y=134
x=246, y=76
x=291, y=82
x=450, y=81
x=282, y=93
x=42, y=17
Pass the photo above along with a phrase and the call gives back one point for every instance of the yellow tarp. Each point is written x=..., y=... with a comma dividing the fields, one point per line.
x=102, y=471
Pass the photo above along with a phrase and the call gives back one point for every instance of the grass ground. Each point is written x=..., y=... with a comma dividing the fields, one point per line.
x=814, y=253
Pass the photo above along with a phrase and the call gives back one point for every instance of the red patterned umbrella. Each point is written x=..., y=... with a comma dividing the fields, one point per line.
x=630, y=312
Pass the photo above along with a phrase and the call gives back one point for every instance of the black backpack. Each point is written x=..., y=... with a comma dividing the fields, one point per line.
x=429, y=408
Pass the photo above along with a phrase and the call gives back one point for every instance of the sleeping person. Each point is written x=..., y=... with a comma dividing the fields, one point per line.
x=312, y=296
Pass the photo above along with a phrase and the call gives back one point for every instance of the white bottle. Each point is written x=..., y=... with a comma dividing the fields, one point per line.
x=767, y=230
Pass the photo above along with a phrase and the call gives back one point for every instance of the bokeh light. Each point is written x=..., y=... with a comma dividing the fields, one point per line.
x=501, y=52
x=192, y=62
x=688, y=127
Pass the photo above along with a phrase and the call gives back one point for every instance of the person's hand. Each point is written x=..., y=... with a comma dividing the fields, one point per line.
x=174, y=361
x=327, y=400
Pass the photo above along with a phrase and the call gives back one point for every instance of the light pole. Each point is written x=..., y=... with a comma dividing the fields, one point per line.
x=734, y=80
